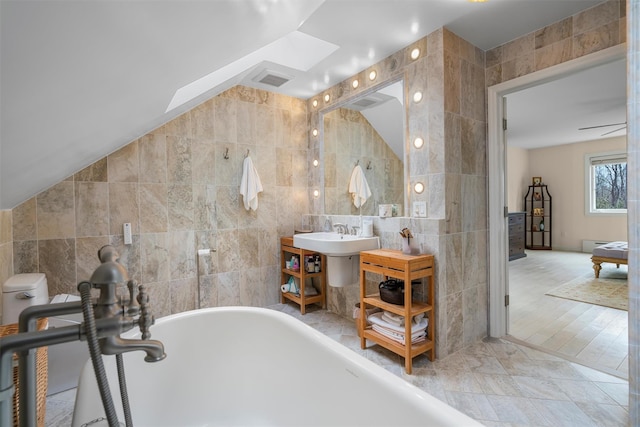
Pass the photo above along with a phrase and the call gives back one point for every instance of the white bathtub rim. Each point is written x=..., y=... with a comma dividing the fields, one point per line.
x=396, y=384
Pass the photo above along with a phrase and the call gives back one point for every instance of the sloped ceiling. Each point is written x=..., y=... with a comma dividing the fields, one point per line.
x=80, y=79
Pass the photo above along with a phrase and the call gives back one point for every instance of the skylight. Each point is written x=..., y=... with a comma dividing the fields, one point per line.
x=296, y=50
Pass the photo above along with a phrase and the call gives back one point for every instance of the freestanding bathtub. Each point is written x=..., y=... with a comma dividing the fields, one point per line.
x=242, y=366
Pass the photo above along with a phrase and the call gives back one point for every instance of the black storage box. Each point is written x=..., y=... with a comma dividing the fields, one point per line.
x=392, y=291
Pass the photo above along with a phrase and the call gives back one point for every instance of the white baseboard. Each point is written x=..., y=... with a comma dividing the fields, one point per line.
x=588, y=245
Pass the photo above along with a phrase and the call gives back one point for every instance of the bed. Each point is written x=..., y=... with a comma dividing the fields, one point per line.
x=614, y=252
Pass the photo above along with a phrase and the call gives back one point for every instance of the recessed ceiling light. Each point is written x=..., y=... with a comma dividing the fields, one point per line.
x=415, y=53
x=355, y=83
x=373, y=75
x=327, y=97
x=315, y=103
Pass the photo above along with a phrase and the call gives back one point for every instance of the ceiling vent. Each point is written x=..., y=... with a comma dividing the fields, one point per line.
x=365, y=102
x=272, y=78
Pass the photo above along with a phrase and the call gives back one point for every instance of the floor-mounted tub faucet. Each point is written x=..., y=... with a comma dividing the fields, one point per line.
x=105, y=278
x=104, y=321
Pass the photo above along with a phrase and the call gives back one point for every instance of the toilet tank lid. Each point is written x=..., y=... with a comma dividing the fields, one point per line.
x=24, y=282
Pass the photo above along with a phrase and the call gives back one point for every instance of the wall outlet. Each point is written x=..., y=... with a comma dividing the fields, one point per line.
x=420, y=209
x=127, y=233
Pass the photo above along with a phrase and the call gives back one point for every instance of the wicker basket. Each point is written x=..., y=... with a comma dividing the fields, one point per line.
x=42, y=375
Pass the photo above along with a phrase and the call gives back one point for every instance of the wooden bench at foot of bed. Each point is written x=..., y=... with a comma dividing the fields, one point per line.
x=614, y=253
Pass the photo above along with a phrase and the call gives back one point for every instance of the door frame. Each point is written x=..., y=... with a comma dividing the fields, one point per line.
x=498, y=276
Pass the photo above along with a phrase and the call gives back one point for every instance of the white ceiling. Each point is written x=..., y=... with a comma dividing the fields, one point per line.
x=553, y=113
x=78, y=80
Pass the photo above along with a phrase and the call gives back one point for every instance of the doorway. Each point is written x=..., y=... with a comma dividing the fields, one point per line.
x=496, y=154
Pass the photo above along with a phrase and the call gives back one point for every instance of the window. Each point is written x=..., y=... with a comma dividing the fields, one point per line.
x=606, y=176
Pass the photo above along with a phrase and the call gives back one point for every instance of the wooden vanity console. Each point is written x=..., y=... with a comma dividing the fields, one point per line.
x=286, y=250
x=393, y=263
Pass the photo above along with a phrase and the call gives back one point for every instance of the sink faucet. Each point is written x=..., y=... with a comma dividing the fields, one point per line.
x=340, y=228
x=354, y=230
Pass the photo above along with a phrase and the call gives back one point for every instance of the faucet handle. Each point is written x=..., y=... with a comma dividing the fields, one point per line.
x=354, y=230
x=146, y=318
x=133, y=306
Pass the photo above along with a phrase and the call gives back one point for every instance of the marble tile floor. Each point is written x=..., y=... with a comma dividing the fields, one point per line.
x=495, y=381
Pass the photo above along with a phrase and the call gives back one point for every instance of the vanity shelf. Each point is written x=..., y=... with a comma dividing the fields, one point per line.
x=287, y=250
x=393, y=263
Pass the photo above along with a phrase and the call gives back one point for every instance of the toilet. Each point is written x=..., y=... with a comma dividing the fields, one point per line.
x=65, y=361
x=21, y=291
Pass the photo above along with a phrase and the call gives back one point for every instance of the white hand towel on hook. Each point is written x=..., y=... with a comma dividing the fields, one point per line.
x=250, y=185
x=358, y=187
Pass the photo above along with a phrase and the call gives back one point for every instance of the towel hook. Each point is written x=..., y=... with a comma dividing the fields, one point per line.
x=226, y=153
x=357, y=162
x=369, y=165
x=247, y=155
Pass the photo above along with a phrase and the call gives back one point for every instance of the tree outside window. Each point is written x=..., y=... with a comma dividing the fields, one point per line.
x=607, y=183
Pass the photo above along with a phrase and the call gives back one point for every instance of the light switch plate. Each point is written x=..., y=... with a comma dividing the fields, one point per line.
x=127, y=233
x=420, y=209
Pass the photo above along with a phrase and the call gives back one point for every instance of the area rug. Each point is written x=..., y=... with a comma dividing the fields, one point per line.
x=608, y=292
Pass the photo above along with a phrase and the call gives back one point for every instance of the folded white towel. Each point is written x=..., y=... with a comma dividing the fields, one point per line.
x=392, y=318
x=250, y=185
x=415, y=338
x=376, y=318
x=358, y=187
x=391, y=332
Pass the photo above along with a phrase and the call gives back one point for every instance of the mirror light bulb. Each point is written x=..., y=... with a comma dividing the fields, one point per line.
x=327, y=97
x=315, y=103
x=315, y=132
x=373, y=75
x=418, y=142
x=418, y=187
x=417, y=97
x=415, y=53
x=315, y=162
x=355, y=83
x=316, y=193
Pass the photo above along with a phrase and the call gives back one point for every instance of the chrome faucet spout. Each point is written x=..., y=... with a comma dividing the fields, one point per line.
x=116, y=345
x=340, y=228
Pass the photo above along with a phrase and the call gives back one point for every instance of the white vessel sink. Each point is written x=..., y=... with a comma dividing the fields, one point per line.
x=335, y=244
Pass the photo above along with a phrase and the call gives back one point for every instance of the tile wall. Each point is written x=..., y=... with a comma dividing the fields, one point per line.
x=592, y=30
x=6, y=249
x=179, y=192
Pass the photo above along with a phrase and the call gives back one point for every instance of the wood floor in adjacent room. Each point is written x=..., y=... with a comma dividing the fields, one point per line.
x=588, y=334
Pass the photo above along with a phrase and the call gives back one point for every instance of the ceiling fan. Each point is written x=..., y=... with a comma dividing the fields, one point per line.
x=624, y=126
